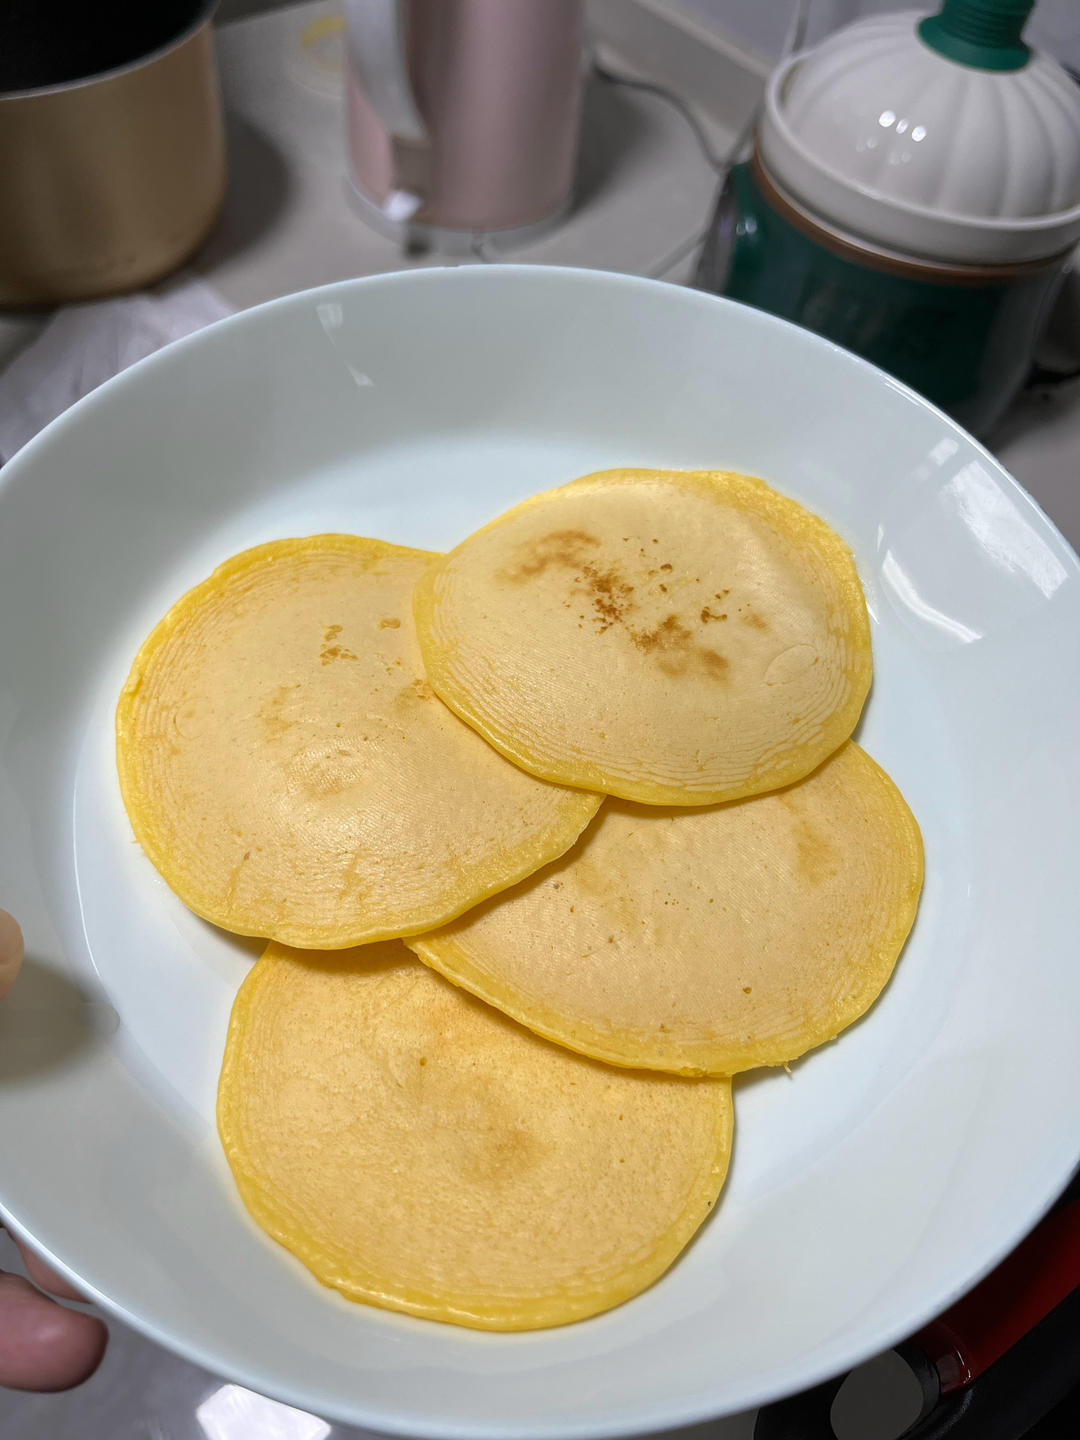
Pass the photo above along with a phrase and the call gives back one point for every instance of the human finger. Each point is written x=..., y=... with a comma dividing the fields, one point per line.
x=11, y=951
x=42, y=1345
x=45, y=1277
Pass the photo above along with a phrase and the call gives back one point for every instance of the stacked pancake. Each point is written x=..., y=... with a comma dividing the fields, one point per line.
x=593, y=769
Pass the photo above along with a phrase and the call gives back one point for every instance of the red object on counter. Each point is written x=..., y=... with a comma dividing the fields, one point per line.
x=989, y=1320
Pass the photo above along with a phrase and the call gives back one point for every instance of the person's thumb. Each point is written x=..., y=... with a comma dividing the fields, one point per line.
x=11, y=951
x=43, y=1346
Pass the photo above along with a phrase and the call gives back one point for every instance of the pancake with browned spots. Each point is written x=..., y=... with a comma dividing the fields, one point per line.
x=672, y=637
x=419, y=1151
x=289, y=770
x=707, y=940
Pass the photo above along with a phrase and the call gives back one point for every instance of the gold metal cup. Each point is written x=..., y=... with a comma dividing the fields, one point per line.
x=108, y=183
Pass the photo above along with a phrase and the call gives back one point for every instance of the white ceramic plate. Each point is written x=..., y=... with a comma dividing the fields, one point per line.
x=871, y=1185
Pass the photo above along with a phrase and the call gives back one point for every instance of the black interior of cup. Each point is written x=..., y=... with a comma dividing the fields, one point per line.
x=55, y=42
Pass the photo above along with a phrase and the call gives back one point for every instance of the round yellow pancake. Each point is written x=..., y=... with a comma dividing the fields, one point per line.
x=289, y=771
x=672, y=637
x=419, y=1151
x=705, y=941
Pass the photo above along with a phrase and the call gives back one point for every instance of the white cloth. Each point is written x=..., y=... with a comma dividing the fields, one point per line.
x=84, y=345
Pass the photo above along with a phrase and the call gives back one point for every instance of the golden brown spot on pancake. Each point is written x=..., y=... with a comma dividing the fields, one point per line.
x=665, y=566
x=390, y=623
x=501, y=1155
x=714, y=663
x=566, y=548
x=329, y=653
x=755, y=621
x=275, y=724
x=816, y=855
x=707, y=615
x=611, y=595
x=677, y=651
x=320, y=772
x=417, y=689
x=670, y=634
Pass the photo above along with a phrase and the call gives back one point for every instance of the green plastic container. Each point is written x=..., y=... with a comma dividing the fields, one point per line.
x=962, y=336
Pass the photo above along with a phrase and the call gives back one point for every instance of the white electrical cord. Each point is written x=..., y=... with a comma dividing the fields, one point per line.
x=721, y=164
x=793, y=40
x=718, y=162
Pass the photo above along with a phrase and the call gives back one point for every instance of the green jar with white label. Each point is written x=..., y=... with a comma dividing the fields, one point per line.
x=903, y=202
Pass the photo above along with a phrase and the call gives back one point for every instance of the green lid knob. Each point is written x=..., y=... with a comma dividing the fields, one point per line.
x=984, y=34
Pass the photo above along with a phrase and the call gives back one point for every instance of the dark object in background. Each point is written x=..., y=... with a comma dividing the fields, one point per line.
x=963, y=336
x=1003, y=1363
x=111, y=144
